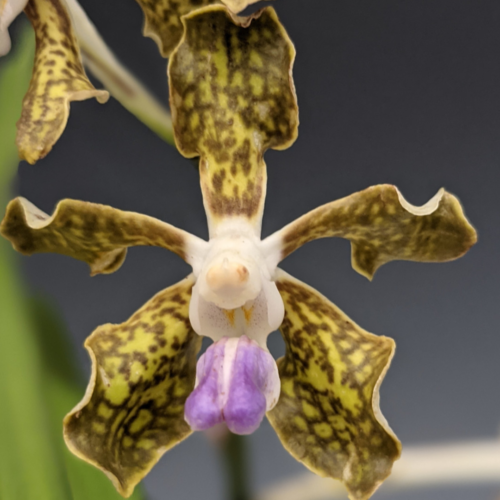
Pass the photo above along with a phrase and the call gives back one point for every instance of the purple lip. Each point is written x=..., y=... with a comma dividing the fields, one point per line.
x=237, y=382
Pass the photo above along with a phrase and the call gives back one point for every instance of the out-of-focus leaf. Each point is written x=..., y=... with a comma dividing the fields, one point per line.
x=30, y=465
x=15, y=74
x=62, y=390
x=38, y=379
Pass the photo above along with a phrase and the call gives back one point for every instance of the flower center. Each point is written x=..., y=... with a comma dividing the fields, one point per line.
x=227, y=278
x=230, y=281
x=234, y=294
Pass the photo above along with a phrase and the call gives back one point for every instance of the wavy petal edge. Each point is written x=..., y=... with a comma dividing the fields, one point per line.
x=124, y=487
x=58, y=79
x=293, y=446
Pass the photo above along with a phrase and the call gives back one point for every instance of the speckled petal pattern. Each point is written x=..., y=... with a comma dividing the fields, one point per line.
x=142, y=372
x=382, y=226
x=96, y=234
x=328, y=414
x=58, y=78
x=162, y=20
x=232, y=97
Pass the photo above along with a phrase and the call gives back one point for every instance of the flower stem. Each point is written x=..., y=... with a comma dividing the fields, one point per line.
x=236, y=466
x=122, y=85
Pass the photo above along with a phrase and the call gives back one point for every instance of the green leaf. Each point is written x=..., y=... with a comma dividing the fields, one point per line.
x=30, y=467
x=15, y=74
x=39, y=381
x=30, y=462
x=62, y=390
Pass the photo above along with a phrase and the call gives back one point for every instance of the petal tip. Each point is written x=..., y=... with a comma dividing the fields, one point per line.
x=335, y=431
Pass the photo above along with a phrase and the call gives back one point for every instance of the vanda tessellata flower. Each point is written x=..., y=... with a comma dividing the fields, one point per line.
x=232, y=97
x=66, y=40
x=58, y=74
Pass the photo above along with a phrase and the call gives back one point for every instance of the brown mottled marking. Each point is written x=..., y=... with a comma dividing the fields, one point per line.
x=96, y=234
x=58, y=78
x=142, y=372
x=232, y=97
x=162, y=20
x=381, y=229
x=328, y=414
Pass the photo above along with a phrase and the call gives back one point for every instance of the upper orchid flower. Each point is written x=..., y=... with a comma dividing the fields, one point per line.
x=232, y=97
x=162, y=18
x=63, y=35
x=58, y=74
x=66, y=40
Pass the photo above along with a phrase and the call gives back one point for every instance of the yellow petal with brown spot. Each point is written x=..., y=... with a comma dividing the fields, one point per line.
x=328, y=414
x=96, y=234
x=58, y=78
x=162, y=20
x=142, y=372
x=382, y=226
x=232, y=97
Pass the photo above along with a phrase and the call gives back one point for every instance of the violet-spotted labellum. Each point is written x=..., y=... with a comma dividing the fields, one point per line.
x=232, y=98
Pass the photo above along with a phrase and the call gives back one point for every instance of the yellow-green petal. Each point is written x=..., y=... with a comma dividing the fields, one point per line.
x=162, y=20
x=142, y=372
x=382, y=226
x=96, y=234
x=232, y=97
x=58, y=78
x=328, y=415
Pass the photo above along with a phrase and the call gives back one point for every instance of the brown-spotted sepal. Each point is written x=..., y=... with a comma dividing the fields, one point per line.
x=162, y=20
x=96, y=234
x=382, y=226
x=328, y=414
x=232, y=97
x=142, y=372
x=58, y=78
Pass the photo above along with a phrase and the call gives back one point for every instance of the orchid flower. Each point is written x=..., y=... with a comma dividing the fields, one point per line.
x=63, y=35
x=58, y=75
x=66, y=40
x=232, y=98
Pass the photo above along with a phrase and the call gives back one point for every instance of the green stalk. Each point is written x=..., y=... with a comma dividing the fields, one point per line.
x=117, y=79
x=39, y=381
x=236, y=465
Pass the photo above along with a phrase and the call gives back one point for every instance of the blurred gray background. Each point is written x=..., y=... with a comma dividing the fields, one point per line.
x=390, y=91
